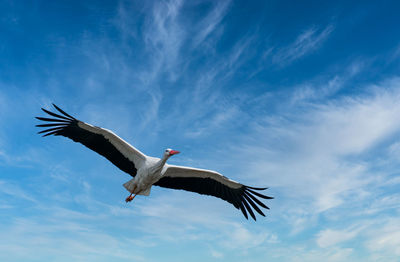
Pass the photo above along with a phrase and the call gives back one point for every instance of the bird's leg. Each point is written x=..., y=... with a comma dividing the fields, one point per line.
x=130, y=197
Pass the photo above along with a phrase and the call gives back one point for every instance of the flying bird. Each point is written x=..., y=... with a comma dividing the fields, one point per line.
x=148, y=171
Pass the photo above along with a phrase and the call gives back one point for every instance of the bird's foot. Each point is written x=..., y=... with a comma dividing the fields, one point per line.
x=129, y=199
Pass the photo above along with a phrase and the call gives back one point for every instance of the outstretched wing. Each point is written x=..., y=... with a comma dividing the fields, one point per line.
x=104, y=142
x=212, y=183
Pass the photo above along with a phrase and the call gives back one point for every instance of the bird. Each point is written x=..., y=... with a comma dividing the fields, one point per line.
x=147, y=171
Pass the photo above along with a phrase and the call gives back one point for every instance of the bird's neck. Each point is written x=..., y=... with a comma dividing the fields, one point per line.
x=160, y=164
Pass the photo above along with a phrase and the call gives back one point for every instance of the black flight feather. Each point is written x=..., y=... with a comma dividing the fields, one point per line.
x=62, y=111
x=52, y=119
x=249, y=209
x=68, y=126
x=238, y=197
x=256, y=200
x=56, y=115
x=56, y=124
x=253, y=205
x=259, y=195
x=50, y=129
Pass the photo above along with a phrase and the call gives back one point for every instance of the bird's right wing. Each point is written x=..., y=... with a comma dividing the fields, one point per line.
x=207, y=182
x=104, y=142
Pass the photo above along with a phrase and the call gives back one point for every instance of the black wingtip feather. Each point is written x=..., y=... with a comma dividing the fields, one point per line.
x=51, y=133
x=255, y=199
x=55, y=124
x=64, y=113
x=243, y=211
x=249, y=209
x=249, y=196
x=257, y=188
x=51, y=119
x=258, y=194
x=55, y=115
x=253, y=205
x=50, y=129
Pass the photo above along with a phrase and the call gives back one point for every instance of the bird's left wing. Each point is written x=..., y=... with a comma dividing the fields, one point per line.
x=104, y=142
x=212, y=183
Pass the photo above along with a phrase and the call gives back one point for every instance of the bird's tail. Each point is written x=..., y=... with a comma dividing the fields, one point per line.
x=130, y=186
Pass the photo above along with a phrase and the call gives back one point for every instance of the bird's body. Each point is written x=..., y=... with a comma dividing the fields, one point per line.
x=146, y=176
x=148, y=171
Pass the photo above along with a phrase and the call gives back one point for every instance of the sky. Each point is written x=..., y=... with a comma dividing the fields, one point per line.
x=298, y=96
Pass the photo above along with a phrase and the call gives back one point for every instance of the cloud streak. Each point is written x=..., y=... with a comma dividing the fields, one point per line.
x=305, y=43
x=211, y=22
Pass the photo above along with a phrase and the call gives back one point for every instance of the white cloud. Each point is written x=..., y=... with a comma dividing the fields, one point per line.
x=385, y=238
x=174, y=218
x=299, y=253
x=385, y=202
x=216, y=254
x=305, y=43
x=323, y=87
x=211, y=22
x=63, y=240
x=163, y=37
x=240, y=238
x=335, y=255
x=329, y=237
x=315, y=156
x=378, y=234
x=15, y=191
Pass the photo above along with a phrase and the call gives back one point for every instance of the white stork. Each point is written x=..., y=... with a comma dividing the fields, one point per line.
x=148, y=171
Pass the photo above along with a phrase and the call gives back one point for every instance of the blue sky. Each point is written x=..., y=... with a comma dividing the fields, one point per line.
x=301, y=97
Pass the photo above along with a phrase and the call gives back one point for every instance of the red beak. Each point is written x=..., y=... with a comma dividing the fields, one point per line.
x=173, y=152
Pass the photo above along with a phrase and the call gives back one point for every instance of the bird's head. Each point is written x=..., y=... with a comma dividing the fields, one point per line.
x=169, y=152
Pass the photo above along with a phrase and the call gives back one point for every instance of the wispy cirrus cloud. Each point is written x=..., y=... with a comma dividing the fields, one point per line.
x=307, y=157
x=164, y=37
x=324, y=86
x=377, y=234
x=63, y=239
x=329, y=237
x=211, y=22
x=305, y=43
x=14, y=191
x=174, y=219
x=385, y=238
